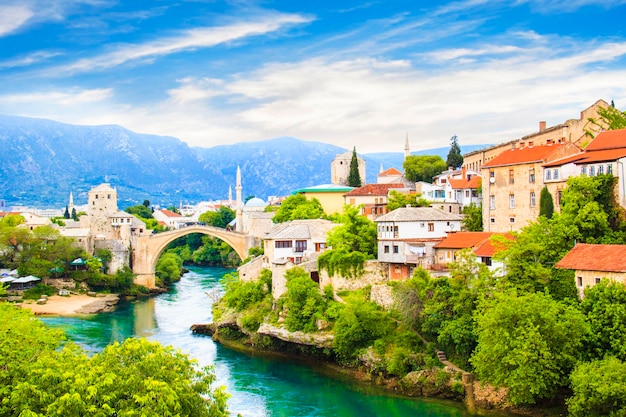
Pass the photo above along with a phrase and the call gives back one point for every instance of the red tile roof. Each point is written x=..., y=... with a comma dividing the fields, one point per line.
x=461, y=240
x=374, y=189
x=590, y=157
x=587, y=257
x=523, y=155
x=610, y=139
x=390, y=172
x=488, y=248
x=463, y=183
x=170, y=213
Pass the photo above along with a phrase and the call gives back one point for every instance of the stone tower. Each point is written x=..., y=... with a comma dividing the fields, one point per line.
x=102, y=204
x=340, y=169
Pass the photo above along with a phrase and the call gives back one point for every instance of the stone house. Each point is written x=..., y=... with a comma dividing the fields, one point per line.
x=571, y=131
x=512, y=184
x=406, y=237
x=169, y=218
x=372, y=198
x=296, y=241
x=606, y=154
x=591, y=263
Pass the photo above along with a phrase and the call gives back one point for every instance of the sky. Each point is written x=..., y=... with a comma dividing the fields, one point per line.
x=361, y=74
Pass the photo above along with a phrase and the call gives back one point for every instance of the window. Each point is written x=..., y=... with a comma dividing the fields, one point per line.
x=511, y=176
x=300, y=245
x=533, y=199
x=580, y=281
x=467, y=193
x=531, y=176
x=492, y=202
x=96, y=196
x=386, y=249
x=395, y=248
x=282, y=244
x=583, y=170
x=559, y=194
x=600, y=169
x=512, y=219
x=592, y=171
x=320, y=247
x=609, y=169
x=548, y=175
x=511, y=200
x=108, y=196
x=486, y=260
x=493, y=220
x=555, y=174
x=396, y=233
x=431, y=227
x=597, y=280
x=352, y=202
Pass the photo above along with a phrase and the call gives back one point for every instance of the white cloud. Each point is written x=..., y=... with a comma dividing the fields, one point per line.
x=13, y=17
x=187, y=40
x=29, y=59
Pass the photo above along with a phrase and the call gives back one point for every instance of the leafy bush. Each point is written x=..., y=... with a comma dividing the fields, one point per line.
x=303, y=300
x=37, y=291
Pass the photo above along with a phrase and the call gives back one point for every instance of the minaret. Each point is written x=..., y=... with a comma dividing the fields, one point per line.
x=70, y=206
x=381, y=168
x=239, y=212
x=407, y=149
x=230, y=194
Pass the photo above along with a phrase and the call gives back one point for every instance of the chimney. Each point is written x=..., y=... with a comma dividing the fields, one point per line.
x=542, y=125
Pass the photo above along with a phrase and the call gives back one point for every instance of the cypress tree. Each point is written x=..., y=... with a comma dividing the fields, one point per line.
x=74, y=215
x=546, y=205
x=455, y=159
x=67, y=213
x=354, y=179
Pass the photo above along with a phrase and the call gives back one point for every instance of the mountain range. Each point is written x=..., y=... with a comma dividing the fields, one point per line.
x=42, y=161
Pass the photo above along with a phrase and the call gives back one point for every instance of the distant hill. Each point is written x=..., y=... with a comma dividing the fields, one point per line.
x=42, y=161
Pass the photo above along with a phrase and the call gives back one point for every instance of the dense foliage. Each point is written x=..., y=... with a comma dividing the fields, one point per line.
x=546, y=203
x=423, y=167
x=298, y=207
x=219, y=218
x=40, y=375
x=397, y=200
x=351, y=243
x=473, y=218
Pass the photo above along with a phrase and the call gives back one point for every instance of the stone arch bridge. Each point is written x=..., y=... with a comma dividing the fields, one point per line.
x=147, y=249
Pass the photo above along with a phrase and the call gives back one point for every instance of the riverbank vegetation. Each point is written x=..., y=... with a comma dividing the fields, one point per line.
x=42, y=374
x=524, y=332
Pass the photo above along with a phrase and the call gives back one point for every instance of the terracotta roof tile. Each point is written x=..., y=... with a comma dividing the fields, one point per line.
x=390, y=172
x=488, y=248
x=463, y=183
x=374, y=189
x=610, y=139
x=461, y=240
x=170, y=213
x=590, y=157
x=587, y=257
x=522, y=155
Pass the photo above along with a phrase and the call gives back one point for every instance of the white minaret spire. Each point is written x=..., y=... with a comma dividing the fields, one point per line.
x=239, y=212
x=407, y=149
x=230, y=194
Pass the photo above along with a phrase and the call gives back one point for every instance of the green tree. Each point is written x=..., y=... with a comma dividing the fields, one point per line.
x=304, y=301
x=455, y=159
x=423, y=167
x=220, y=218
x=528, y=343
x=397, y=200
x=605, y=307
x=598, y=389
x=473, y=220
x=297, y=207
x=140, y=210
x=146, y=203
x=546, y=204
x=168, y=268
x=12, y=220
x=354, y=177
x=66, y=214
x=137, y=377
x=74, y=215
x=610, y=119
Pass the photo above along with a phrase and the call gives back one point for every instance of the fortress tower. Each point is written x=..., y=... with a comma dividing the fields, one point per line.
x=102, y=205
x=340, y=169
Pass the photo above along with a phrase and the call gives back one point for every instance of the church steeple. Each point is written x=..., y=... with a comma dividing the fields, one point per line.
x=407, y=149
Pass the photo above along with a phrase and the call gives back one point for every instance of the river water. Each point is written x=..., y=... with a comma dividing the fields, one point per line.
x=258, y=386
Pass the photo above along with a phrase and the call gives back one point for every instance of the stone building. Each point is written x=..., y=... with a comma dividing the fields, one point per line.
x=571, y=131
x=512, y=184
x=340, y=168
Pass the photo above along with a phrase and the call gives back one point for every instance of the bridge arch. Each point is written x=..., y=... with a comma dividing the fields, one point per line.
x=148, y=249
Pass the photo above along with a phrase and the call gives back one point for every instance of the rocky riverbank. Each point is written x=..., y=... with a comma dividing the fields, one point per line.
x=74, y=304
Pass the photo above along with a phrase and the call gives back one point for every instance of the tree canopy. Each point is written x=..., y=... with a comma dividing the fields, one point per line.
x=455, y=159
x=298, y=207
x=423, y=167
x=219, y=218
x=397, y=200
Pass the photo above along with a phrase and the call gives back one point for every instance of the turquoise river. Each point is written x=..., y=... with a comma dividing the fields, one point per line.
x=258, y=386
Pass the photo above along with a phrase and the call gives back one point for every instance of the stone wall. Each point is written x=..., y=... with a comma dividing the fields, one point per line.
x=382, y=294
x=375, y=273
x=121, y=254
x=251, y=270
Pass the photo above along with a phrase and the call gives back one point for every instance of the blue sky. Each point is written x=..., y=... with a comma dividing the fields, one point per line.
x=351, y=73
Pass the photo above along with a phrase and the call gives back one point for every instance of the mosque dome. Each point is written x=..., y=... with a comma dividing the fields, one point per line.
x=255, y=202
